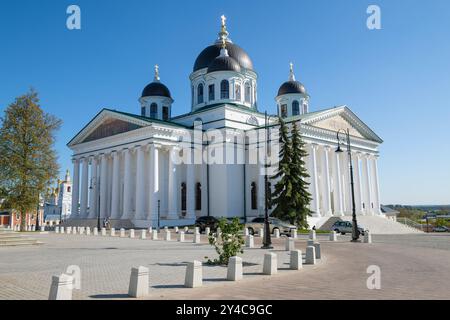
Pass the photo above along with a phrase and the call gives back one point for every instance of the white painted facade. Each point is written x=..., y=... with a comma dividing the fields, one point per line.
x=124, y=168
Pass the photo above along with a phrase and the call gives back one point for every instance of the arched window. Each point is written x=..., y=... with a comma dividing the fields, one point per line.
x=143, y=111
x=295, y=108
x=254, y=196
x=153, y=110
x=247, y=92
x=183, y=196
x=305, y=108
x=200, y=93
x=284, y=110
x=224, y=90
x=198, y=196
x=238, y=92
x=211, y=93
x=165, y=113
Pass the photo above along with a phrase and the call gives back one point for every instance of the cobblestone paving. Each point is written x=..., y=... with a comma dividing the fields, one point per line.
x=409, y=269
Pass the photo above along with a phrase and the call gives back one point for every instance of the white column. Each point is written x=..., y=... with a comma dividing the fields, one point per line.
x=190, y=192
x=204, y=189
x=366, y=184
x=173, y=186
x=127, y=185
x=140, y=184
x=337, y=185
x=345, y=171
x=261, y=195
x=326, y=192
x=357, y=180
x=93, y=195
x=375, y=186
x=75, y=188
x=84, y=188
x=153, y=184
x=313, y=182
x=115, y=192
x=103, y=185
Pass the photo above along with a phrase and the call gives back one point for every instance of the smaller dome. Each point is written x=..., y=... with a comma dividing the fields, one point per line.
x=291, y=87
x=156, y=89
x=224, y=63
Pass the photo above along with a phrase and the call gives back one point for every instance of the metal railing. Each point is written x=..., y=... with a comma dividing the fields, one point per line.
x=411, y=223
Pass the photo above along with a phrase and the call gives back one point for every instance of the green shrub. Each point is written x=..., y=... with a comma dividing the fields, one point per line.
x=230, y=241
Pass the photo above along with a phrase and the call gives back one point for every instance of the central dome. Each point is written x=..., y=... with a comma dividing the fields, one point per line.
x=209, y=54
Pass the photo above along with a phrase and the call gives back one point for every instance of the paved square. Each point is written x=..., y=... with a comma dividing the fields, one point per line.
x=412, y=267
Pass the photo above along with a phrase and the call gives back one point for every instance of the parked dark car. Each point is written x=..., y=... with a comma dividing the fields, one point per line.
x=207, y=221
x=344, y=227
x=440, y=229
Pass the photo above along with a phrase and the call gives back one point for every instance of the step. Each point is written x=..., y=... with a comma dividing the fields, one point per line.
x=19, y=243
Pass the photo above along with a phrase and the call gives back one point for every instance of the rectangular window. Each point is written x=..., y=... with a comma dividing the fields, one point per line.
x=143, y=111
x=165, y=115
x=211, y=94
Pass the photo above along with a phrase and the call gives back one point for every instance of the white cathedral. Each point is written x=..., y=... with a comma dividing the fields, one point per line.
x=124, y=168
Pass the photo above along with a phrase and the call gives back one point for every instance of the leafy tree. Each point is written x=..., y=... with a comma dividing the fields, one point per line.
x=28, y=162
x=291, y=197
x=229, y=242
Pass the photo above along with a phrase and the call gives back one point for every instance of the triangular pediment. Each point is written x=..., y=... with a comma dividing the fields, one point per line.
x=341, y=118
x=106, y=124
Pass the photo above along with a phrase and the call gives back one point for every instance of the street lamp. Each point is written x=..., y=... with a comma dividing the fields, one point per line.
x=355, y=233
x=267, y=241
x=91, y=187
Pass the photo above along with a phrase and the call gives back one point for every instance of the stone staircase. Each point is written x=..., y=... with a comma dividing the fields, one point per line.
x=375, y=224
x=12, y=238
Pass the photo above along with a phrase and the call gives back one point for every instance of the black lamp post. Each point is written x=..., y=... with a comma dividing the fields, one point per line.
x=267, y=241
x=355, y=233
x=159, y=214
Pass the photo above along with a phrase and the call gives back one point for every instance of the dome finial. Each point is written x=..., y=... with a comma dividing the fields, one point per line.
x=291, y=72
x=156, y=79
x=223, y=34
x=224, y=51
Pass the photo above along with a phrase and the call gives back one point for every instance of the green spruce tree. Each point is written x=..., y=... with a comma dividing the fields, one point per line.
x=28, y=162
x=300, y=195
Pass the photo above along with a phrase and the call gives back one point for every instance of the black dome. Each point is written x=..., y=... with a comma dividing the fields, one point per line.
x=291, y=87
x=224, y=63
x=207, y=56
x=156, y=89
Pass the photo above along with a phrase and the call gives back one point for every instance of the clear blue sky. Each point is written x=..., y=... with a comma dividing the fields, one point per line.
x=396, y=79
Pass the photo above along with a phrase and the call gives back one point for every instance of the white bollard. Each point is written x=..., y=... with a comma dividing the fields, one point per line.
x=42, y=228
x=138, y=282
x=81, y=230
x=113, y=232
x=296, y=262
x=122, y=232
x=88, y=231
x=333, y=236
x=367, y=237
x=143, y=234
x=167, y=235
x=166, y=228
x=74, y=230
x=317, y=249
x=207, y=231
x=95, y=231
x=150, y=229
x=234, y=272
x=294, y=233
x=176, y=230
x=61, y=230
x=290, y=244
x=181, y=236
x=310, y=255
x=155, y=235
x=56, y=229
x=194, y=276
x=312, y=234
x=270, y=264
x=197, y=230
x=249, y=241
x=310, y=243
x=103, y=232
x=69, y=230
x=131, y=233
x=186, y=229
x=246, y=232
x=218, y=232
x=276, y=233
x=61, y=288
x=261, y=232
x=33, y=228
x=197, y=238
